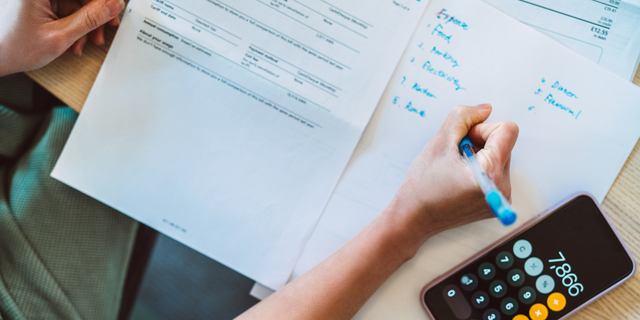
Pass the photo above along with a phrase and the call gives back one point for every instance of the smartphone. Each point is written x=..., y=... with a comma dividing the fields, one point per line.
x=547, y=269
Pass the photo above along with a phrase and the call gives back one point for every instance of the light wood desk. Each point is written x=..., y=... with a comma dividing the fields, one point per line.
x=70, y=78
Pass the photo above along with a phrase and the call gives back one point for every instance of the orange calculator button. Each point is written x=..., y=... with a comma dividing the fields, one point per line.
x=520, y=317
x=556, y=301
x=538, y=312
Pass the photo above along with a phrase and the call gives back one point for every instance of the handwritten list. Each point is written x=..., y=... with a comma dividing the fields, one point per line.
x=435, y=62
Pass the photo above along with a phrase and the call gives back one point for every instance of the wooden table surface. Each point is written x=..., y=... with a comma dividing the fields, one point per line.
x=70, y=79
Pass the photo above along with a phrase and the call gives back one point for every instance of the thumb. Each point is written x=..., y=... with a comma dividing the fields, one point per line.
x=461, y=119
x=88, y=18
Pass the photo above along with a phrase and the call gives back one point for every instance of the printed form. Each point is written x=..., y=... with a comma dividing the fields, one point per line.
x=605, y=31
x=578, y=124
x=227, y=124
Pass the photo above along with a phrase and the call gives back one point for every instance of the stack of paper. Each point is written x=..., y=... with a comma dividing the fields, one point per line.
x=233, y=123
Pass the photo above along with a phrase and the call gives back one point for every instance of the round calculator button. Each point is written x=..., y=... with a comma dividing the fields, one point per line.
x=509, y=306
x=498, y=288
x=515, y=277
x=469, y=282
x=491, y=314
x=538, y=312
x=486, y=271
x=504, y=260
x=556, y=301
x=522, y=249
x=527, y=295
x=480, y=299
x=457, y=301
x=545, y=284
x=520, y=317
x=533, y=266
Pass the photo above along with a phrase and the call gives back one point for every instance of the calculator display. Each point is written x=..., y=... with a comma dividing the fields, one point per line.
x=544, y=272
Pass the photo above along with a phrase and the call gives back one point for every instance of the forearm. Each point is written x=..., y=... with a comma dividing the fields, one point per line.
x=438, y=193
x=339, y=286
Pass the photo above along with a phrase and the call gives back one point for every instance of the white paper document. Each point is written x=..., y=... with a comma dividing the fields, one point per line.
x=227, y=124
x=578, y=124
x=607, y=32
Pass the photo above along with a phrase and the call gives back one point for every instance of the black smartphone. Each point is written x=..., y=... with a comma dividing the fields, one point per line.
x=547, y=269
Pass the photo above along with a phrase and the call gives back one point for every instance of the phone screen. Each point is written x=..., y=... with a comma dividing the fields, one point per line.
x=544, y=272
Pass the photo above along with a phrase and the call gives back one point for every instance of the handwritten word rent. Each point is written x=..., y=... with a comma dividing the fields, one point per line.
x=409, y=107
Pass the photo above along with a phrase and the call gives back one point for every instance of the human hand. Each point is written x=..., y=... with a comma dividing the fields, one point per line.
x=439, y=191
x=34, y=32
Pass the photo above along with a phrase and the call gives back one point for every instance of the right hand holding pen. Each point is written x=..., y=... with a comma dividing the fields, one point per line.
x=439, y=191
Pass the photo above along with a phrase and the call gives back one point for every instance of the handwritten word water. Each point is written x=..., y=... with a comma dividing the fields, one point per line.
x=559, y=87
x=552, y=100
x=424, y=91
x=441, y=74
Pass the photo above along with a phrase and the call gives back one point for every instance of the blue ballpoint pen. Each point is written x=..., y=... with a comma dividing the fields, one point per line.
x=497, y=202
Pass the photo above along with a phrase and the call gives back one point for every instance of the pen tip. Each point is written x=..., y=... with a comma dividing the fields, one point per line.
x=508, y=217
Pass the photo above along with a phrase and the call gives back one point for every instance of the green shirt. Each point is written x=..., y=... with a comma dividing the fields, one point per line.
x=63, y=255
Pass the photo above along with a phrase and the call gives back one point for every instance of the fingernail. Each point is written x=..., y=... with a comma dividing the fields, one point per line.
x=114, y=6
x=484, y=105
x=80, y=53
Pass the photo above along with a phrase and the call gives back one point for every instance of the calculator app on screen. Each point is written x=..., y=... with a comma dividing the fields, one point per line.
x=542, y=272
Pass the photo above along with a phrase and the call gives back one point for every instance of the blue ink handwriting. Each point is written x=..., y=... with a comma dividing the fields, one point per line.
x=445, y=56
x=439, y=73
x=559, y=87
x=443, y=14
x=409, y=107
x=424, y=91
x=438, y=31
x=414, y=110
x=551, y=100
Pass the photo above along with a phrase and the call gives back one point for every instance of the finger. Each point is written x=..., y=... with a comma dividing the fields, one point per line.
x=498, y=140
x=505, y=184
x=67, y=8
x=78, y=46
x=97, y=36
x=461, y=119
x=54, y=6
x=87, y=19
x=115, y=21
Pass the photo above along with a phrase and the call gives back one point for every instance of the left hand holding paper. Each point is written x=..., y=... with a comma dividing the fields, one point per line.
x=35, y=32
